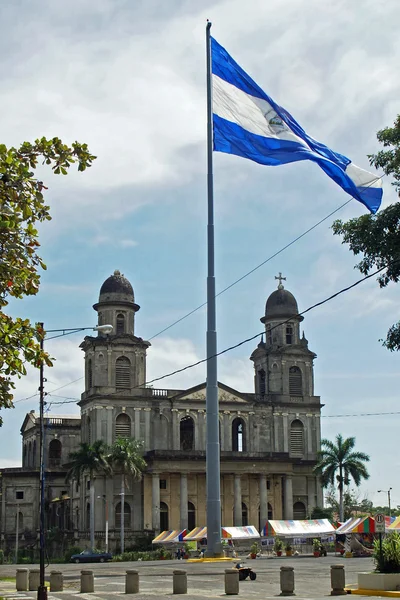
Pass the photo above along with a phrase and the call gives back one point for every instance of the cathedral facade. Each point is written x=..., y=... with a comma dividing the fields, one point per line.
x=269, y=437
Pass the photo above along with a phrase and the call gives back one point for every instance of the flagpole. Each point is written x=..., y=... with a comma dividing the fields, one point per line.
x=214, y=547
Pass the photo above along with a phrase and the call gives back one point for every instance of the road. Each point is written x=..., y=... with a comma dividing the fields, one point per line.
x=205, y=580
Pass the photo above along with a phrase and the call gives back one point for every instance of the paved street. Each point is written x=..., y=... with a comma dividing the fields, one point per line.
x=312, y=578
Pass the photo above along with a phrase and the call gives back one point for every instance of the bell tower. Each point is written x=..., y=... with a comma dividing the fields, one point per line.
x=115, y=363
x=283, y=363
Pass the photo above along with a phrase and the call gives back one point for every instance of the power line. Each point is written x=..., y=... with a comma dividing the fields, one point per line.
x=377, y=414
x=203, y=360
x=254, y=269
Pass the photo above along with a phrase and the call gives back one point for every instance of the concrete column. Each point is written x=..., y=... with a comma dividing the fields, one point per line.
x=34, y=577
x=132, y=582
x=109, y=416
x=179, y=581
x=285, y=432
x=276, y=433
x=231, y=582
x=338, y=580
x=147, y=414
x=175, y=430
x=227, y=433
x=311, y=495
x=21, y=580
x=287, y=581
x=137, y=423
x=87, y=582
x=263, y=500
x=155, y=504
x=288, y=497
x=184, y=501
x=56, y=581
x=237, y=505
x=320, y=492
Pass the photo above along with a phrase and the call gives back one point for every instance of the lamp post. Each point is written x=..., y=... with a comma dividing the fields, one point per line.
x=42, y=589
x=104, y=498
x=388, y=495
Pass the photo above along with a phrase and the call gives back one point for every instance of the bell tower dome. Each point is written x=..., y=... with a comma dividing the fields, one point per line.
x=283, y=363
x=115, y=363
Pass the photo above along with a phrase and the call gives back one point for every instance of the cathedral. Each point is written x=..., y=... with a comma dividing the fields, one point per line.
x=269, y=437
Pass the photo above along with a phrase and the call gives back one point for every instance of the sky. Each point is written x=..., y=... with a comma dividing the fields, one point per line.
x=129, y=80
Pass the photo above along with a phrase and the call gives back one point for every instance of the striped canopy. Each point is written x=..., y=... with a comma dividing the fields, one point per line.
x=170, y=537
x=394, y=525
x=361, y=525
x=233, y=533
x=240, y=533
x=307, y=528
x=197, y=534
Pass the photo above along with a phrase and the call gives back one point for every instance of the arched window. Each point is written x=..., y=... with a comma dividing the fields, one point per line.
x=299, y=511
x=87, y=515
x=123, y=426
x=270, y=512
x=295, y=382
x=33, y=459
x=297, y=438
x=186, y=428
x=25, y=464
x=30, y=454
x=245, y=515
x=238, y=436
x=127, y=515
x=55, y=449
x=20, y=522
x=122, y=373
x=89, y=430
x=120, y=323
x=164, y=519
x=90, y=374
x=289, y=333
x=269, y=334
x=191, y=516
x=261, y=382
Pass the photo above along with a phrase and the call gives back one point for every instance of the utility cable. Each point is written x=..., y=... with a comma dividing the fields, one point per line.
x=264, y=262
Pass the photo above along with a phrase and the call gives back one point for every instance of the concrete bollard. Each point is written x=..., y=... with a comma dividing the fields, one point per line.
x=287, y=581
x=56, y=581
x=34, y=580
x=132, y=582
x=179, y=582
x=231, y=582
x=21, y=580
x=338, y=580
x=87, y=582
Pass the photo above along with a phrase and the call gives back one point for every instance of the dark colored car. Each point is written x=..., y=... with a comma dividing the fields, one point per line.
x=91, y=556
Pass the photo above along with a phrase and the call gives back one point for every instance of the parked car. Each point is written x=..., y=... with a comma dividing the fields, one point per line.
x=91, y=556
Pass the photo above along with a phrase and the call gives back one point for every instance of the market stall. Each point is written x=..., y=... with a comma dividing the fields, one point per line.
x=174, y=536
x=233, y=533
x=298, y=529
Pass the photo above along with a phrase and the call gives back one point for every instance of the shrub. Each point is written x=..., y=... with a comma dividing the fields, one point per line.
x=389, y=560
x=1, y=557
x=71, y=551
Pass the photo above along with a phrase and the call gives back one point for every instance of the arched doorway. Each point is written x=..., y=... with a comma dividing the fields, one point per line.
x=299, y=511
x=55, y=449
x=164, y=517
x=186, y=431
x=127, y=515
x=245, y=515
x=191, y=516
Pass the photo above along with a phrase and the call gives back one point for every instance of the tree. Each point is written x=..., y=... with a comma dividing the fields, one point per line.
x=337, y=462
x=322, y=513
x=126, y=457
x=22, y=205
x=378, y=236
x=93, y=460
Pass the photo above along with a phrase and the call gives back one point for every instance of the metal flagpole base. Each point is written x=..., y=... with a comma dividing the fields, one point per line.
x=42, y=592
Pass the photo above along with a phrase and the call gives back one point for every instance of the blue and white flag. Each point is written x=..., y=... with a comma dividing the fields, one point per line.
x=248, y=123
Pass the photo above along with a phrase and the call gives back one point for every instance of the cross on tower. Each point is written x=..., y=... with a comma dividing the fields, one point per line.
x=280, y=286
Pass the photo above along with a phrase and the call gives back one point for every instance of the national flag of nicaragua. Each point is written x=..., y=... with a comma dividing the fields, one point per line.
x=248, y=123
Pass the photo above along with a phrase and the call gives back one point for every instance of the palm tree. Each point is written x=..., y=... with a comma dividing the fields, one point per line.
x=91, y=459
x=126, y=457
x=338, y=463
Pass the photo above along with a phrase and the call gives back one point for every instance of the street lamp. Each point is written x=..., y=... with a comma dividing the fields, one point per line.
x=42, y=589
x=104, y=498
x=388, y=494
